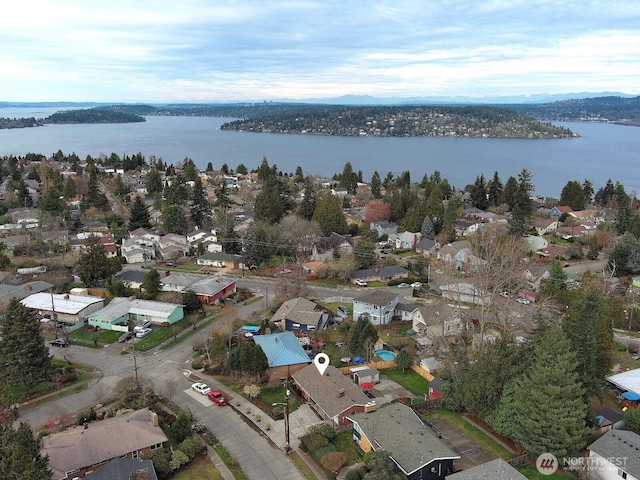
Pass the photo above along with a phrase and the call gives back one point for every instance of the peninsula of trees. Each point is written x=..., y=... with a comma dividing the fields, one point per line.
x=409, y=121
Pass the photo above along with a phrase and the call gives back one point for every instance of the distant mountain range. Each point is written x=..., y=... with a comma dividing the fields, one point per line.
x=537, y=98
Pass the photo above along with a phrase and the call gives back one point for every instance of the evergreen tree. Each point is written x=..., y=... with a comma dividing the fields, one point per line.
x=478, y=193
x=427, y=228
x=587, y=191
x=450, y=218
x=544, y=408
x=138, y=215
x=573, y=195
x=364, y=253
x=191, y=301
x=151, y=284
x=349, y=179
x=264, y=171
x=69, y=190
x=21, y=457
x=404, y=360
x=209, y=168
x=153, y=182
x=495, y=190
x=590, y=333
x=241, y=169
x=22, y=347
x=329, y=215
x=623, y=217
x=510, y=192
x=93, y=266
x=308, y=203
x=298, y=177
x=273, y=201
x=376, y=185
x=174, y=219
x=200, y=208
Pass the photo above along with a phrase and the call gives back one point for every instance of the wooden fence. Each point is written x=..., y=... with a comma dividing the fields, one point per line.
x=376, y=365
x=422, y=372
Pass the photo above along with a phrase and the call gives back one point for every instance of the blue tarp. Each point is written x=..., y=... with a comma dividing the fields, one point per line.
x=634, y=397
x=358, y=360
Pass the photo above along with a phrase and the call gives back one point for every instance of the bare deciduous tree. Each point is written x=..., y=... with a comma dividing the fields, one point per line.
x=170, y=387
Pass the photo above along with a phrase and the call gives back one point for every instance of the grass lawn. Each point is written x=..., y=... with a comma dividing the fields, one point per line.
x=532, y=473
x=104, y=336
x=345, y=444
x=409, y=379
x=477, y=435
x=199, y=467
x=335, y=353
x=231, y=464
x=84, y=373
x=271, y=395
x=301, y=465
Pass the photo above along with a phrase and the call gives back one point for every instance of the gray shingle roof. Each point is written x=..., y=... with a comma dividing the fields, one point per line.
x=324, y=389
x=619, y=444
x=397, y=429
x=493, y=470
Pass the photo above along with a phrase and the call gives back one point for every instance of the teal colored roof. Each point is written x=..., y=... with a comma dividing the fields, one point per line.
x=282, y=349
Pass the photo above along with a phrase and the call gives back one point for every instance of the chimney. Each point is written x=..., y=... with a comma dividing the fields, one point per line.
x=154, y=418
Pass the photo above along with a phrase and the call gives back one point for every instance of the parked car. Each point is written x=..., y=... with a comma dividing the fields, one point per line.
x=59, y=342
x=170, y=264
x=202, y=388
x=143, y=333
x=505, y=294
x=343, y=311
x=217, y=397
x=361, y=283
x=126, y=336
x=416, y=285
x=142, y=325
x=403, y=285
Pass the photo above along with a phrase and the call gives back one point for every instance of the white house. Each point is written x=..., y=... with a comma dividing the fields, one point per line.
x=465, y=293
x=72, y=310
x=614, y=456
x=378, y=305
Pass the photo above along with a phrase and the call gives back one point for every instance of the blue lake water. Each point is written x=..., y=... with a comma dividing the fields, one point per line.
x=604, y=151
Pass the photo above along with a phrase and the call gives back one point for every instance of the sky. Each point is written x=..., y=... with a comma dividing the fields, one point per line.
x=254, y=50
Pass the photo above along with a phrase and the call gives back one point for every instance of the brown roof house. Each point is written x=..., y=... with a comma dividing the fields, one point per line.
x=413, y=447
x=332, y=395
x=74, y=453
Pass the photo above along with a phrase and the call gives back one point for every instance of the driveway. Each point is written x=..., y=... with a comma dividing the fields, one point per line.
x=471, y=454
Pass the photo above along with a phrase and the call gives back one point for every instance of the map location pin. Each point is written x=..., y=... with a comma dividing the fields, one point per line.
x=321, y=361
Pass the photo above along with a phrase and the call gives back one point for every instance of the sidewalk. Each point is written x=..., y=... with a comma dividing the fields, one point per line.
x=219, y=464
x=298, y=424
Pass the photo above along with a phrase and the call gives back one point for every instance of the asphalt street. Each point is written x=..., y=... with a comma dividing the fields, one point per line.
x=258, y=458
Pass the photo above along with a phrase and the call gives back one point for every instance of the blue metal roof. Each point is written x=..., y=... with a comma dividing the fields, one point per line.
x=282, y=349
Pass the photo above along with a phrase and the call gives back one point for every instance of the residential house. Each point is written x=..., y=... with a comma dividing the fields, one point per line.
x=437, y=320
x=73, y=310
x=131, y=278
x=284, y=353
x=332, y=395
x=384, y=227
x=124, y=469
x=378, y=305
x=137, y=250
x=323, y=249
x=465, y=228
x=494, y=470
x=74, y=453
x=300, y=315
x=150, y=237
x=220, y=260
x=121, y=311
x=615, y=455
x=427, y=246
x=208, y=240
x=414, y=448
x=382, y=273
x=172, y=246
x=465, y=293
x=559, y=210
x=96, y=227
x=544, y=226
x=213, y=289
x=610, y=419
x=108, y=242
x=628, y=381
x=406, y=240
x=179, y=282
x=7, y=292
x=447, y=252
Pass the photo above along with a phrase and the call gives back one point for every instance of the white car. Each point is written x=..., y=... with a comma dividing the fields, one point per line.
x=143, y=333
x=403, y=285
x=142, y=326
x=505, y=294
x=202, y=388
x=416, y=285
x=361, y=283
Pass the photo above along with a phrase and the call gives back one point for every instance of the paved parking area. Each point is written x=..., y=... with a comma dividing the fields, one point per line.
x=471, y=454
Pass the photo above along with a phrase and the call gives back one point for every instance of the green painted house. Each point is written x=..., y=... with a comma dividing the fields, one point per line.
x=122, y=310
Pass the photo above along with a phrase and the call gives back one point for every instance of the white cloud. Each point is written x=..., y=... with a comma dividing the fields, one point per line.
x=161, y=50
